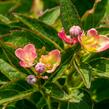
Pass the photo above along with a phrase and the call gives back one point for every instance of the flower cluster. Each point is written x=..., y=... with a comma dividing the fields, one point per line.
x=91, y=41
x=47, y=63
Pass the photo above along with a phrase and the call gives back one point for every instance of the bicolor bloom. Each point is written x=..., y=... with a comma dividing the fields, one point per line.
x=75, y=31
x=31, y=79
x=51, y=61
x=72, y=38
x=40, y=68
x=27, y=55
x=93, y=42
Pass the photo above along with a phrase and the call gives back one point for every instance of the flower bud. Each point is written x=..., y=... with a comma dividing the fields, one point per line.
x=75, y=31
x=40, y=67
x=31, y=79
x=44, y=77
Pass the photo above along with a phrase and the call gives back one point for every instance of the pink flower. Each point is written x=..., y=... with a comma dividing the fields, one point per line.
x=93, y=42
x=27, y=55
x=51, y=61
x=72, y=38
x=62, y=35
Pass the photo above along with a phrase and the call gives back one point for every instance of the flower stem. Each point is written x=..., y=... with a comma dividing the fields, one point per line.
x=47, y=98
x=33, y=70
x=49, y=102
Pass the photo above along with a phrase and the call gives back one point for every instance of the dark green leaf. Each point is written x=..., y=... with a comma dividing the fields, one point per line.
x=15, y=91
x=69, y=14
x=44, y=31
x=58, y=93
x=93, y=16
x=6, y=6
x=83, y=6
x=9, y=71
x=85, y=72
x=100, y=89
x=50, y=16
x=100, y=67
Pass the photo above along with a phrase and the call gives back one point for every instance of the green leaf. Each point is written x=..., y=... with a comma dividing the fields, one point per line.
x=50, y=16
x=81, y=105
x=2, y=30
x=4, y=19
x=22, y=6
x=85, y=72
x=25, y=104
x=20, y=38
x=84, y=103
x=69, y=14
x=9, y=71
x=58, y=93
x=38, y=99
x=14, y=91
x=21, y=104
x=93, y=16
x=83, y=6
x=50, y=3
x=103, y=30
x=100, y=67
x=6, y=6
x=44, y=31
x=100, y=90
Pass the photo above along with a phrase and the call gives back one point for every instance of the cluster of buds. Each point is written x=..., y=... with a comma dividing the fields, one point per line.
x=47, y=63
x=90, y=41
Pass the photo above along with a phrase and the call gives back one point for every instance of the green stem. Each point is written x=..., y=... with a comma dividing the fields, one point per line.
x=49, y=102
x=33, y=70
x=59, y=105
x=47, y=98
x=87, y=58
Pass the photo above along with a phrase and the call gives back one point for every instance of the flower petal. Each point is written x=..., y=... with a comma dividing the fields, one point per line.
x=20, y=53
x=53, y=69
x=23, y=64
x=55, y=58
x=30, y=50
x=27, y=55
x=89, y=43
x=52, y=60
x=62, y=35
x=92, y=33
x=103, y=43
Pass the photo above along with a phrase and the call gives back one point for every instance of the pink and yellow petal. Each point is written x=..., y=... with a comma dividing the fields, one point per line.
x=53, y=68
x=20, y=53
x=52, y=60
x=30, y=50
x=103, y=43
x=55, y=55
x=23, y=64
x=92, y=32
x=27, y=55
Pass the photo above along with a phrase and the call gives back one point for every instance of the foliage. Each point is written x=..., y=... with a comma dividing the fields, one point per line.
x=79, y=81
